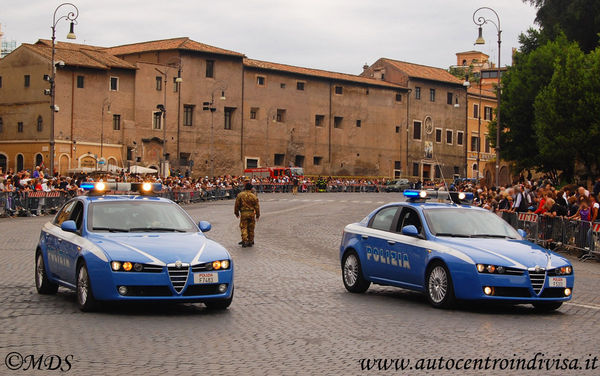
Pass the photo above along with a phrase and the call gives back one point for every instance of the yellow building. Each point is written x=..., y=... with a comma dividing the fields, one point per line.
x=482, y=103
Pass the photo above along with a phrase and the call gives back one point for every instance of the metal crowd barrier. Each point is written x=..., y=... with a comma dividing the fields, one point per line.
x=25, y=204
x=547, y=231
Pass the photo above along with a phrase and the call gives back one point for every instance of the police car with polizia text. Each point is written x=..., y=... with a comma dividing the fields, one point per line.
x=131, y=248
x=451, y=251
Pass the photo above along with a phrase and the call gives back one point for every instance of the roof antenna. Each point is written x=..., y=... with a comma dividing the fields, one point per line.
x=445, y=183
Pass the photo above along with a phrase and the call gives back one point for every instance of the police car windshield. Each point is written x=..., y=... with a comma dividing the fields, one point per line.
x=138, y=216
x=461, y=222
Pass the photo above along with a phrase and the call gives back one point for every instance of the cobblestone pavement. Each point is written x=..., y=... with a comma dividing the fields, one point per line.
x=291, y=313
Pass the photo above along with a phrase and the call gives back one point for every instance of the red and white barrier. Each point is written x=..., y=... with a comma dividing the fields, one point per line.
x=527, y=217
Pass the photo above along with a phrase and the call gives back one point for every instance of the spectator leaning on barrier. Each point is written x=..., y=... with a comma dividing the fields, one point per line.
x=596, y=189
x=554, y=210
x=520, y=201
x=584, y=212
x=594, y=207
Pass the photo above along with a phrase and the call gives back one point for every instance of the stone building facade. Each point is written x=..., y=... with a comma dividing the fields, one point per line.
x=212, y=111
x=482, y=104
x=436, y=119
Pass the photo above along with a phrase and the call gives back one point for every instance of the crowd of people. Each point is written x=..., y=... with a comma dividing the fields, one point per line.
x=38, y=180
x=541, y=196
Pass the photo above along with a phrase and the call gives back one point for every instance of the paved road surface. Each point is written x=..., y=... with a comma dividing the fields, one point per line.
x=291, y=313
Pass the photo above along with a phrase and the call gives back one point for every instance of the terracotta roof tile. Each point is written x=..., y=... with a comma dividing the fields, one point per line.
x=67, y=45
x=484, y=93
x=169, y=44
x=251, y=63
x=424, y=72
x=79, y=55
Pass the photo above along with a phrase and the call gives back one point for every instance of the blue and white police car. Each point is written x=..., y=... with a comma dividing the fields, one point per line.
x=451, y=251
x=131, y=248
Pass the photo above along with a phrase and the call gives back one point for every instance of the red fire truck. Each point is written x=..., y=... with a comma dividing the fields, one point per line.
x=275, y=172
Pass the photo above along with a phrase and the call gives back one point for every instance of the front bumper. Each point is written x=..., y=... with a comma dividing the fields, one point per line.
x=143, y=286
x=516, y=289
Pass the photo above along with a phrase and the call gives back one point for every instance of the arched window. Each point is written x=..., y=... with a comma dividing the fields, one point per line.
x=40, y=123
x=38, y=159
x=20, y=163
x=3, y=163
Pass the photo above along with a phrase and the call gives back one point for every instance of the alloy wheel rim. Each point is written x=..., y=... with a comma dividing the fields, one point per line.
x=351, y=270
x=438, y=284
x=82, y=283
x=40, y=270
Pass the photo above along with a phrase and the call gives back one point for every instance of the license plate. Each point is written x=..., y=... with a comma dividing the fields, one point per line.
x=203, y=278
x=558, y=282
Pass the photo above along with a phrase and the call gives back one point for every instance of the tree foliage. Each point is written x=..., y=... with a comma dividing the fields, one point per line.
x=567, y=112
x=520, y=86
x=550, y=101
x=578, y=19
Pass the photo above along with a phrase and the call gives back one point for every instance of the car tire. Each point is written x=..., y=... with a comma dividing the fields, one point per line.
x=439, y=287
x=352, y=274
x=42, y=283
x=85, y=296
x=219, y=304
x=547, y=307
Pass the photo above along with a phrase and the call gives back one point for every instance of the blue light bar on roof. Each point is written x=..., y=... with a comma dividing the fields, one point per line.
x=87, y=185
x=411, y=193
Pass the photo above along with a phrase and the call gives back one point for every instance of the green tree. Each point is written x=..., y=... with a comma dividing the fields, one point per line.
x=520, y=86
x=578, y=19
x=567, y=113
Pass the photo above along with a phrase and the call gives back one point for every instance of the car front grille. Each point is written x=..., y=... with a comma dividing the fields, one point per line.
x=210, y=289
x=537, y=280
x=513, y=292
x=553, y=292
x=152, y=268
x=202, y=267
x=178, y=276
x=148, y=291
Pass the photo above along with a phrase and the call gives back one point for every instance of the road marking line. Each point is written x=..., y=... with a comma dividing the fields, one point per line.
x=584, y=305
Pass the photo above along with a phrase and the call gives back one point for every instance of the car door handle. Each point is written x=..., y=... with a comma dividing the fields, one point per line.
x=365, y=236
x=391, y=242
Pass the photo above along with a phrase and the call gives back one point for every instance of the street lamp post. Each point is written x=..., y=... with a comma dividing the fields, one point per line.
x=480, y=21
x=105, y=103
x=70, y=16
x=479, y=133
x=210, y=106
x=163, y=109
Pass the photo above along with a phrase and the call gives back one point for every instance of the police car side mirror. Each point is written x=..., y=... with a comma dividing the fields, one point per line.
x=204, y=226
x=410, y=230
x=69, y=226
x=522, y=233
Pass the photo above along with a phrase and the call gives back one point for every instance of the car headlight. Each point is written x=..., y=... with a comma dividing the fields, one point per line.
x=490, y=269
x=126, y=266
x=220, y=264
x=564, y=270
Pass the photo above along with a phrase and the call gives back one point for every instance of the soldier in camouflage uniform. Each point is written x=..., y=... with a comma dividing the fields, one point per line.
x=247, y=210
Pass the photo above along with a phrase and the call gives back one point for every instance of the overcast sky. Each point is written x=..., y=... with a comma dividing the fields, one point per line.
x=335, y=35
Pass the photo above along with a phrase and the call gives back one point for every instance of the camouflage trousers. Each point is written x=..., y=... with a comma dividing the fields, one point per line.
x=247, y=223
